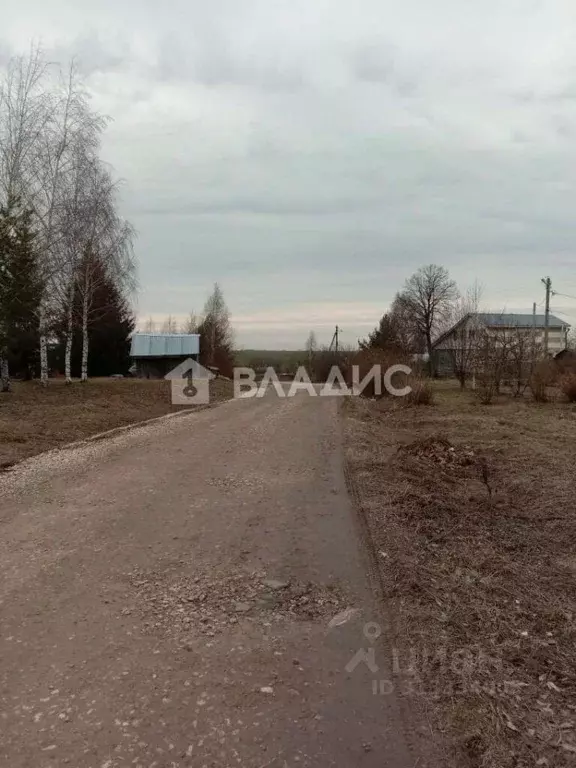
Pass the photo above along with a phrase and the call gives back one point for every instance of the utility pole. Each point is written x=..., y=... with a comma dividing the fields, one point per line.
x=334, y=342
x=548, y=283
x=533, y=332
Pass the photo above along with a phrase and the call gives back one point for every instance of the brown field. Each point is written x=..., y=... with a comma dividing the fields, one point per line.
x=472, y=513
x=34, y=419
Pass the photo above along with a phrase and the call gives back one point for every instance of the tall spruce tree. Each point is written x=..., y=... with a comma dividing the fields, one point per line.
x=111, y=323
x=20, y=293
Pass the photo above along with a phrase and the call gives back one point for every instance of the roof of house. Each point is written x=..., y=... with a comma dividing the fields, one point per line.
x=513, y=320
x=165, y=344
x=509, y=320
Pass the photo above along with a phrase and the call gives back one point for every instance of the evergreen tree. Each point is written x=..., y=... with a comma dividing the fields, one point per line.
x=111, y=323
x=20, y=292
x=388, y=335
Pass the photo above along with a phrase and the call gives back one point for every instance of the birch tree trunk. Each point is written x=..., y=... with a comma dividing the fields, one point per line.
x=43, y=346
x=69, y=334
x=4, y=374
x=84, y=375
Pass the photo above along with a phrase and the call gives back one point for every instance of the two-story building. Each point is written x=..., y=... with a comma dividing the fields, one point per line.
x=451, y=346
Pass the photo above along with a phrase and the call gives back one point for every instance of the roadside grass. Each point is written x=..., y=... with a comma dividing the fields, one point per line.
x=35, y=419
x=472, y=510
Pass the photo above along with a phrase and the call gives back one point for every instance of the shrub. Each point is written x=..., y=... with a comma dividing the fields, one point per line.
x=421, y=394
x=542, y=377
x=324, y=360
x=485, y=386
x=365, y=359
x=568, y=386
x=566, y=365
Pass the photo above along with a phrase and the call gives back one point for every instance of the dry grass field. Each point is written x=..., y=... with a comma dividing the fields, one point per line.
x=472, y=511
x=34, y=419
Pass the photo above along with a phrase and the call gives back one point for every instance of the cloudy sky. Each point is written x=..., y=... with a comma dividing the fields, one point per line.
x=310, y=155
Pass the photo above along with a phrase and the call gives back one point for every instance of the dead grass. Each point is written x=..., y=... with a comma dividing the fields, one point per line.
x=34, y=419
x=472, y=511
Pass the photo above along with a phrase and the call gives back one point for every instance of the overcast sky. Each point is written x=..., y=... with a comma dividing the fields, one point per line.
x=310, y=155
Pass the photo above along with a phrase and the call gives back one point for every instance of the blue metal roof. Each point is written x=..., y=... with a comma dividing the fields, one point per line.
x=165, y=344
x=519, y=320
x=510, y=320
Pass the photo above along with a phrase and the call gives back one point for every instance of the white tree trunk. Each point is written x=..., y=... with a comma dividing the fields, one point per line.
x=68, y=357
x=69, y=334
x=84, y=375
x=43, y=346
x=4, y=375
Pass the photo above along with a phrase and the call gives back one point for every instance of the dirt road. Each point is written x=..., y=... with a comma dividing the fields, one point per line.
x=166, y=598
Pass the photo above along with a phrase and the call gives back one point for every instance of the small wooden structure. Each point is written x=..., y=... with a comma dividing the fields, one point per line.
x=156, y=354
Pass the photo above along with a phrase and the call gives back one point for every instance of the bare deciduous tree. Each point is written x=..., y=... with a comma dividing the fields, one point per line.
x=170, y=325
x=190, y=325
x=71, y=131
x=49, y=145
x=217, y=342
x=311, y=346
x=506, y=356
x=427, y=299
x=464, y=341
x=25, y=110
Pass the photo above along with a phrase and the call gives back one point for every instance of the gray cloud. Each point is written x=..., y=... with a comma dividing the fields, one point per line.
x=310, y=156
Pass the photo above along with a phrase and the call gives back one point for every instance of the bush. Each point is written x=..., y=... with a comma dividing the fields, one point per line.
x=568, y=386
x=421, y=394
x=566, y=364
x=365, y=359
x=486, y=387
x=543, y=376
x=324, y=360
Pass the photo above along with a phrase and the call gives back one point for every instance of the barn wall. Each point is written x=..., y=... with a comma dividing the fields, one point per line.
x=157, y=367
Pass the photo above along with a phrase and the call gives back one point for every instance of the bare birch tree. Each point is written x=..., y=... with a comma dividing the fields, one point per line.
x=24, y=114
x=25, y=110
x=216, y=336
x=49, y=158
x=45, y=119
x=63, y=155
x=85, y=200
x=110, y=260
x=107, y=253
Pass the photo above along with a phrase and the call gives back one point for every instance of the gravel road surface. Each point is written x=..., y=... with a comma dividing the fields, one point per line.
x=193, y=593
